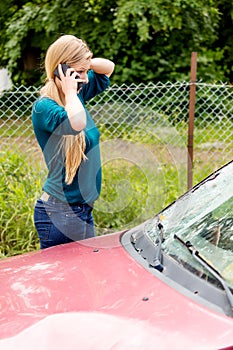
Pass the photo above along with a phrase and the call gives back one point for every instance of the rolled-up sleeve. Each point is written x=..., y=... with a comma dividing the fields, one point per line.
x=48, y=116
x=97, y=83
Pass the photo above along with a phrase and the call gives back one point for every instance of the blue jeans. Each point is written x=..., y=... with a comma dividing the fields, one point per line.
x=58, y=223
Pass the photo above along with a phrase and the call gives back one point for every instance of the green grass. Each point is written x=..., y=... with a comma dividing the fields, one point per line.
x=19, y=187
x=130, y=195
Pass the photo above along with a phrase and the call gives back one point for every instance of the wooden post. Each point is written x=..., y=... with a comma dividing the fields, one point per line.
x=192, y=99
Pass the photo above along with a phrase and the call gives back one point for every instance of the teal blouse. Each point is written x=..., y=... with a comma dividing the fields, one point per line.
x=51, y=123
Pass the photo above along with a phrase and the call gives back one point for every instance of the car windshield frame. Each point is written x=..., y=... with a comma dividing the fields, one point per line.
x=202, y=216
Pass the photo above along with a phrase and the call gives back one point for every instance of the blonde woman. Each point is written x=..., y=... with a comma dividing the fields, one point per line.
x=69, y=140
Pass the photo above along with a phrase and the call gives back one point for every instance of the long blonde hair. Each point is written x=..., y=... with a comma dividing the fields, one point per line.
x=70, y=50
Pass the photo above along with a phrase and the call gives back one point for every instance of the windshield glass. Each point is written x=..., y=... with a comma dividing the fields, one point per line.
x=203, y=216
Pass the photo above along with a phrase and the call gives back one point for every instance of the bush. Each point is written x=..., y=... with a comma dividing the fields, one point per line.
x=19, y=187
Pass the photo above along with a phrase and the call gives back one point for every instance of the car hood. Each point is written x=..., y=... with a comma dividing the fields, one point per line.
x=91, y=330
x=94, y=291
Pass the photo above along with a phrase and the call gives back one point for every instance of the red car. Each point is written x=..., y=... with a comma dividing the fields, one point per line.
x=165, y=284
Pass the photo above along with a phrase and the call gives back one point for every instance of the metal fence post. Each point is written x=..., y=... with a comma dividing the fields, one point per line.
x=192, y=98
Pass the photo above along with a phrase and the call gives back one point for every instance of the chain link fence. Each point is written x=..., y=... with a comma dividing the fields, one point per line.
x=142, y=120
x=145, y=149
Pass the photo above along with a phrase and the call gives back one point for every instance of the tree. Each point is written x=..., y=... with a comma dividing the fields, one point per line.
x=224, y=41
x=147, y=39
x=33, y=26
x=166, y=34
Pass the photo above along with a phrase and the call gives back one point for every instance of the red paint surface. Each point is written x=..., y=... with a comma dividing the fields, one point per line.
x=97, y=281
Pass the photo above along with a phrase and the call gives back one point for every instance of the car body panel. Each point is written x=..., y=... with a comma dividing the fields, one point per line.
x=96, y=281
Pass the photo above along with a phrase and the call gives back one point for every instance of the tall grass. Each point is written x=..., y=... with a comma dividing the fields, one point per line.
x=19, y=187
x=128, y=197
x=131, y=195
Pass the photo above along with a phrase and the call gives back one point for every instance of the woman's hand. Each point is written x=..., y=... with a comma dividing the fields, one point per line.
x=102, y=66
x=73, y=106
x=68, y=80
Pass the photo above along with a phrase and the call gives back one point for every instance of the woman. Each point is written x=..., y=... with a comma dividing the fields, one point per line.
x=69, y=140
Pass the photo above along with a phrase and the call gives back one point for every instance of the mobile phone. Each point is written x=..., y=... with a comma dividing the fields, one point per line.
x=64, y=67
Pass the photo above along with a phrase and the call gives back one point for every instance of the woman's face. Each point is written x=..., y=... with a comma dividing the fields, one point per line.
x=82, y=70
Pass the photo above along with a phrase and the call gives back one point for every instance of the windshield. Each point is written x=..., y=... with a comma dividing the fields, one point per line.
x=203, y=216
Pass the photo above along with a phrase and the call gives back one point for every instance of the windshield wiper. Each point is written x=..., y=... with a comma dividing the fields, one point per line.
x=209, y=267
x=146, y=247
x=157, y=262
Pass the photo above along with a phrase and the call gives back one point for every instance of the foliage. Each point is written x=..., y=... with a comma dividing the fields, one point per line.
x=19, y=186
x=132, y=194
x=147, y=39
x=126, y=199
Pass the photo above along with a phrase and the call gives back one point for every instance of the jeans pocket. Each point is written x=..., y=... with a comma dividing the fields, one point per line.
x=74, y=212
x=71, y=222
x=43, y=231
x=42, y=221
